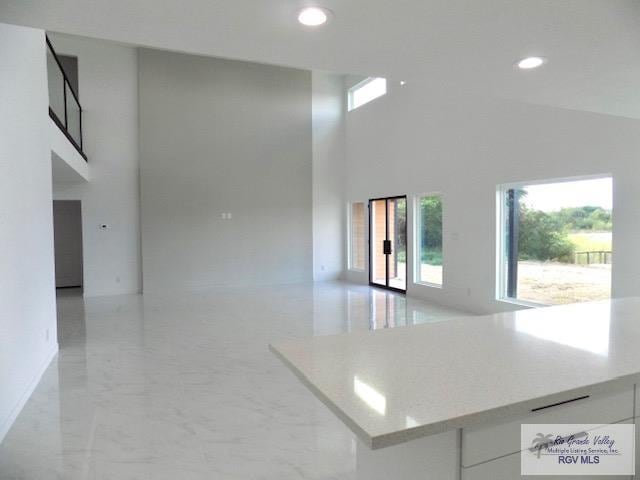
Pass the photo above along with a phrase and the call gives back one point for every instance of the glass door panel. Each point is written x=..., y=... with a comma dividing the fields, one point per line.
x=388, y=242
x=378, y=227
x=397, y=219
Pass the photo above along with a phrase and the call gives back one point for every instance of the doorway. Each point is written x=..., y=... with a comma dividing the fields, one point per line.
x=67, y=236
x=388, y=243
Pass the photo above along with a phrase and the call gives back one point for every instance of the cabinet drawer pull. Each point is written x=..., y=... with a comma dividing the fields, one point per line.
x=560, y=403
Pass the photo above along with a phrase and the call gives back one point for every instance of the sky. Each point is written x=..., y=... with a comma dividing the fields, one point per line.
x=554, y=196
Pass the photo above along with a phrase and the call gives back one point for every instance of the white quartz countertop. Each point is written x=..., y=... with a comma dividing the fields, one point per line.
x=392, y=386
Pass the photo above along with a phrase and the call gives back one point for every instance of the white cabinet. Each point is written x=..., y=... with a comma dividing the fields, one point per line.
x=494, y=440
x=436, y=457
x=492, y=451
x=508, y=468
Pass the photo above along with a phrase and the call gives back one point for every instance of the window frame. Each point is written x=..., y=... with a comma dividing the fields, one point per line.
x=501, y=227
x=417, y=249
x=350, y=242
x=358, y=86
x=502, y=255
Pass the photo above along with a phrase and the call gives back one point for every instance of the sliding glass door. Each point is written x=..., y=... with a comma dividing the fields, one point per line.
x=388, y=243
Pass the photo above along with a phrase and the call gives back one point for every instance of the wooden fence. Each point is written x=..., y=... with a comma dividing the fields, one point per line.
x=587, y=258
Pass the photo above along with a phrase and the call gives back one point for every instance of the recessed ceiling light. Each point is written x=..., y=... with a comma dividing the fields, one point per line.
x=313, y=16
x=531, y=62
x=402, y=83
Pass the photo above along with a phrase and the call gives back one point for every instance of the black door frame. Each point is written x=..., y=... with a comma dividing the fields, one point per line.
x=386, y=223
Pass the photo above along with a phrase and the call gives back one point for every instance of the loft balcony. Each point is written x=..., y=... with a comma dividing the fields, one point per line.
x=64, y=105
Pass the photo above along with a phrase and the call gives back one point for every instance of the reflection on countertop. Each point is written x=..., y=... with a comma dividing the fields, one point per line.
x=436, y=376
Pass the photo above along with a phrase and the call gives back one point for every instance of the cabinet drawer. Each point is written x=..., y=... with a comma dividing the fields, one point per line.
x=486, y=442
x=508, y=468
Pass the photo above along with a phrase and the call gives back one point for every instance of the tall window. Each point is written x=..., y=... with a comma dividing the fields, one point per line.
x=555, y=245
x=366, y=91
x=356, y=236
x=429, y=240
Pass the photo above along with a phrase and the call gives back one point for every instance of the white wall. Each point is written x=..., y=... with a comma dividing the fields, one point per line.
x=329, y=208
x=217, y=137
x=27, y=288
x=109, y=96
x=413, y=141
x=68, y=164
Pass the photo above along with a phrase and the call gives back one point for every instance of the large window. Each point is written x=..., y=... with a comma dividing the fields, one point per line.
x=429, y=240
x=555, y=242
x=366, y=91
x=356, y=236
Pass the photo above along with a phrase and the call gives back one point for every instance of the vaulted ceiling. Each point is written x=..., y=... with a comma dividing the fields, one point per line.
x=449, y=46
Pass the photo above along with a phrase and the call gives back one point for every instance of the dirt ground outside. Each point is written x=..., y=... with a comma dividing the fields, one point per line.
x=549, y=283
x=554, y=283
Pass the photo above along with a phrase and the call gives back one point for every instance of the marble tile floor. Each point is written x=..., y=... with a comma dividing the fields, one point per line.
x=184, y=387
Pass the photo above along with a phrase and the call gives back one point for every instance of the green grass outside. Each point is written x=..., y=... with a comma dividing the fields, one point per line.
x=432, y=257
x=583, y=242
x=591, y=242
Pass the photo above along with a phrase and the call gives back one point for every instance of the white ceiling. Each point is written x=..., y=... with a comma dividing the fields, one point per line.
x=451, y=46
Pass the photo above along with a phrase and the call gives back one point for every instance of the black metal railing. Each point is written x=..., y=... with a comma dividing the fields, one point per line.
x=64, y=105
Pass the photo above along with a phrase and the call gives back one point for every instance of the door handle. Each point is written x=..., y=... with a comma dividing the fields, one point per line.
x=386, y=247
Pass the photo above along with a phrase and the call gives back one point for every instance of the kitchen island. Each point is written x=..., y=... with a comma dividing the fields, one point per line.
x=446, y=400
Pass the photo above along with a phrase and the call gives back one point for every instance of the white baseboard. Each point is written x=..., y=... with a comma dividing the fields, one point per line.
x=5, y=424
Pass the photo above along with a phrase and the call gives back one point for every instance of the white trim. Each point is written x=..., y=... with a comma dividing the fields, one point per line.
x=544, y=181
x=501, y=256
x=428, y=284
x=523, y=303
x=350, y=236
x=8, y=422
x=417, y=254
